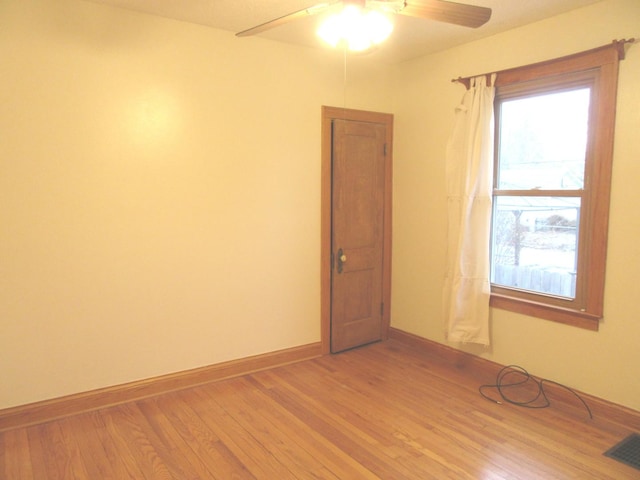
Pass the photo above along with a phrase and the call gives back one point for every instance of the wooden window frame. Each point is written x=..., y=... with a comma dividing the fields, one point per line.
x=599, y=69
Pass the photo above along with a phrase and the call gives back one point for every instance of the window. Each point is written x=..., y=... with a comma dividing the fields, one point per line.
x=552, y=175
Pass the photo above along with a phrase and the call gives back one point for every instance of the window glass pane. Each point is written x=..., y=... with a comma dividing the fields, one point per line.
x=534, y=244
x=543, y=141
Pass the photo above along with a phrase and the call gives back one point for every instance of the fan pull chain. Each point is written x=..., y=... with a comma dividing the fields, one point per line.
x=344, y=78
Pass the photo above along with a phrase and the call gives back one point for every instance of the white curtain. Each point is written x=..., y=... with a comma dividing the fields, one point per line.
x=469, y=170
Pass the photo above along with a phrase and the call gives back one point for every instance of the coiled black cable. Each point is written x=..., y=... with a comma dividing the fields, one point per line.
x=514, y=376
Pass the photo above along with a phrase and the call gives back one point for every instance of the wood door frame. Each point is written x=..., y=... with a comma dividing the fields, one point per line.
x=329, y=114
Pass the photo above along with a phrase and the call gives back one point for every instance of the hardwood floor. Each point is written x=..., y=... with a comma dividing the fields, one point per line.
x=385, y=411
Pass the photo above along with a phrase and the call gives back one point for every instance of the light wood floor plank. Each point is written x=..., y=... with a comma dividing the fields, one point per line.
x=15, y=455
x=80, y=429
x=385, y=417
x=129, y=441
x=255, y=457
x=186, y=439
x=37, y=438
x=385, y=411
x=123, y=464
x=251, y=415
x=333, y=458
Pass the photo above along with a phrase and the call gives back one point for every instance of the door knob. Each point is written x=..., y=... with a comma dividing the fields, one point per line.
x=341, y=259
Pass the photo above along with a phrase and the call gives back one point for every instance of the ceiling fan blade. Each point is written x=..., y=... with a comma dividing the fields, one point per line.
x=449, y=12
x=315, y=9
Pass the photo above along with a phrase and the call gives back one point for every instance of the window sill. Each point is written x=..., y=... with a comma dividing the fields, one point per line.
x=574, y=318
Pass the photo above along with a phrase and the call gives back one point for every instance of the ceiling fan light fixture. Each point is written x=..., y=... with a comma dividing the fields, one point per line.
x=358, y=28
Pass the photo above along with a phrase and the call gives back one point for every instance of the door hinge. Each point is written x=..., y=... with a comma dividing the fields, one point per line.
x=382, y=309
x=385, y=150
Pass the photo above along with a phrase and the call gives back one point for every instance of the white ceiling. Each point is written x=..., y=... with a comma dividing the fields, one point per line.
x=411, y=37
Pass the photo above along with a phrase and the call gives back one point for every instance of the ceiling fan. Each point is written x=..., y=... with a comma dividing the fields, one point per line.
x=438, y=10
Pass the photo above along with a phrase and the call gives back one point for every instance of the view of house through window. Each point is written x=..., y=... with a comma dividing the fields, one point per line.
x=538, y=188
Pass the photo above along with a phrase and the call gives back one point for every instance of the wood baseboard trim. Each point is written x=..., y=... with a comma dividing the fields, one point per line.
x=460, y=359
x=47, y=410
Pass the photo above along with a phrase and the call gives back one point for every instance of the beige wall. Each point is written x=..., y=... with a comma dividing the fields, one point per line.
x=602, y=363
x=159, y=194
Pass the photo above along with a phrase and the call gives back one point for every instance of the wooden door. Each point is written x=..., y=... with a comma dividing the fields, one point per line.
x=357, y=231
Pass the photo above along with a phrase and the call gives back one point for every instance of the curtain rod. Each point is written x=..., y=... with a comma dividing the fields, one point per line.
x=617, y=44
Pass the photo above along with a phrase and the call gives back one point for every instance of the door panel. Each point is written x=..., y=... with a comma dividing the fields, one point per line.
x=358, y=181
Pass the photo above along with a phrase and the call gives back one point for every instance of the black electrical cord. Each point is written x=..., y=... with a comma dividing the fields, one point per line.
x=514, y=376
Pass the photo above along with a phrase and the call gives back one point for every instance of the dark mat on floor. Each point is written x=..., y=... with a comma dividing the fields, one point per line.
x=627, y=451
